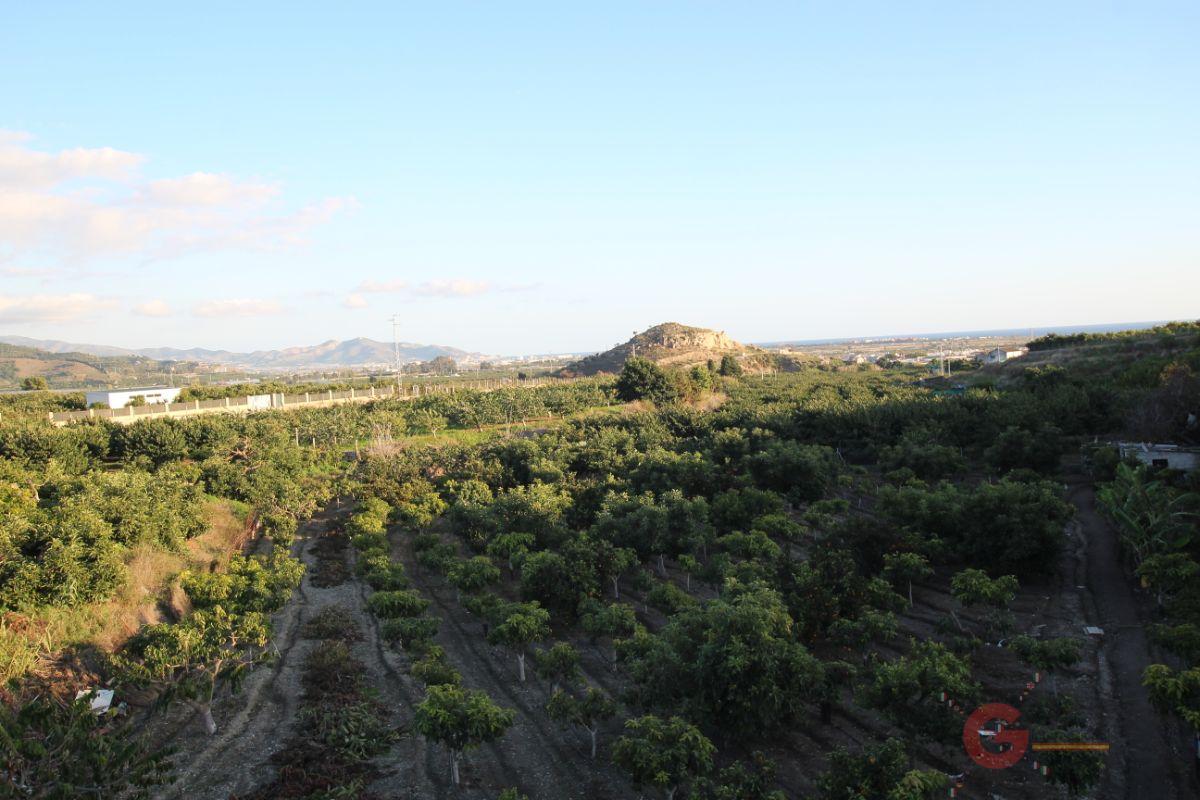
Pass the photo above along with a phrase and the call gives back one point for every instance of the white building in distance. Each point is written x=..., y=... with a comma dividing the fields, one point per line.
x=999, y=355
x=1170, y=456
x=119, y=398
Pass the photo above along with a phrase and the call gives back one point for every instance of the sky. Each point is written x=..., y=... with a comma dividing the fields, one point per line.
x=550, y=177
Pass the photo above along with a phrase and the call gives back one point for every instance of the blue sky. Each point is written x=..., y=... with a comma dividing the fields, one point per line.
x=532, y=177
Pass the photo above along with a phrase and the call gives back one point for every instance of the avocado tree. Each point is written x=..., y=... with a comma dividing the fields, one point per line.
x=473, y=575
x=188, y=659
x=510, y=547
x=588, y=711
x=55, y=750
x=667, y=754
x=906, y=568
x=615, y=621
x=1048, y=655
x=525, y=624
x=881, y=772
x=642, y=379
x=460, y=719
x=612, y=562
x=1076, y=771
x=557, y=664
x=973, y=587
x=1175, y=692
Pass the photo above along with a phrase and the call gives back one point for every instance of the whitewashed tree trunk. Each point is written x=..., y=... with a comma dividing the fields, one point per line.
x=616, y=587
x=454, y=776
x=521, y=666
x=210, y=725
x=592, y=731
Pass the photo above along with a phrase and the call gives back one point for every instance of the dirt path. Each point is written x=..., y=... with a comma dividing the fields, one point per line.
x=236, y=758
x=1150, y=763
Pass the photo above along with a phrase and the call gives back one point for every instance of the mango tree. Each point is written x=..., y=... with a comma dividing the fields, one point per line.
x=187, y=660
x=525, y=624
x=557, y=664
x=461, y=719
x=473, y=575
x=667, y=754
x=905, y=568
x=588, y=711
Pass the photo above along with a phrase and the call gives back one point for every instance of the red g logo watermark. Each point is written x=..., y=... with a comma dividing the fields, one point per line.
x=989, y=724
x=1010, y=745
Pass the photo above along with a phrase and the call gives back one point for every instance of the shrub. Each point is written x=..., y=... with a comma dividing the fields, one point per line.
x=414, y=634
x=331, y=622
x=393, y=605
x=387, y=578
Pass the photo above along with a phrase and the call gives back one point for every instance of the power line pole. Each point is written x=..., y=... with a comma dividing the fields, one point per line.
x=396, y=349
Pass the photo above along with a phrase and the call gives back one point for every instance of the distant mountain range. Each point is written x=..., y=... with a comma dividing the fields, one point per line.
x=333, y=353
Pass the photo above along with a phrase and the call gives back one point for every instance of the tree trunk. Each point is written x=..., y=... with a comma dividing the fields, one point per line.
x=616, y=587
x=671, y=793
x=689, y=581
x=454, y=767
x=521, y=666
x=910, y=599
x=210, y=725
x=592, y=731
x=662, y=565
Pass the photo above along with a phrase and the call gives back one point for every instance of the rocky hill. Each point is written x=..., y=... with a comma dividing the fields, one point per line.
x=671, y=345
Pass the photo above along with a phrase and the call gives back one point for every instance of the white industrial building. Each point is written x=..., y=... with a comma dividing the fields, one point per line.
x=999, y=355
x=1171, y=456
x=119, y=398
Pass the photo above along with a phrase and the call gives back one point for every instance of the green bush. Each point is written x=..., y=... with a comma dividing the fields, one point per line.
x=392, y=605
x=414, y=634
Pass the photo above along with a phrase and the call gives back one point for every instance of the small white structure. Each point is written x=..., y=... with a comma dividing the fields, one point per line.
x=1171, y=456
x=119, y=398
x=999, y=355
x=101, y=699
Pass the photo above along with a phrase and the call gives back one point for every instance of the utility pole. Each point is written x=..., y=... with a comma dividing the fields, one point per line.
x=396, y=349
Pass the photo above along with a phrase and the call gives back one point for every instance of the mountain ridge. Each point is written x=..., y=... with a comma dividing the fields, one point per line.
x=359, y=351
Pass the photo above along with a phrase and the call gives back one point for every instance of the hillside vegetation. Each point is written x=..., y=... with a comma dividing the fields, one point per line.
x=18, y=363
x=799, y=592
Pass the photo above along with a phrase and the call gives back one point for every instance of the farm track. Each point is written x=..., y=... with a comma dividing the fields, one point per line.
x=532, y=756
x=237, y=757
x=1150, y=760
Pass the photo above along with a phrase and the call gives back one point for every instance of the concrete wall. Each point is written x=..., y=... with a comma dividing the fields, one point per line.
x=242, y=405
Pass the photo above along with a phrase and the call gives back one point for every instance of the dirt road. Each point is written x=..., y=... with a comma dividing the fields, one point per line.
x=1152, y=763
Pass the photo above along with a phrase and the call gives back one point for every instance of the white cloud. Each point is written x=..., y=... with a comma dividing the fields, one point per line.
x=355, y=300
x=447, y=287
x=44, y=209
x=51, y=307
x=382, y=287
x=28, y=272
x=206, y=189
x=22, y=166
x=456, y=287
x=153, y=308
x=237, y=307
